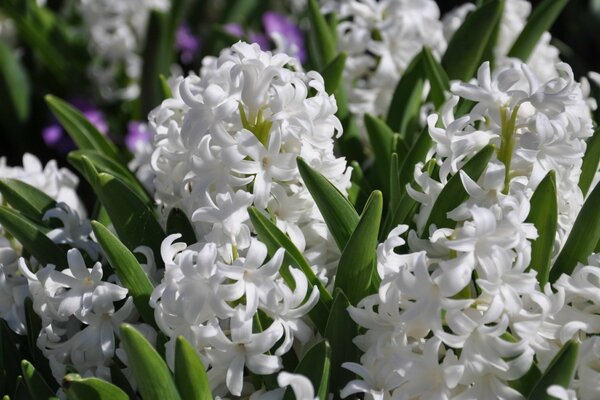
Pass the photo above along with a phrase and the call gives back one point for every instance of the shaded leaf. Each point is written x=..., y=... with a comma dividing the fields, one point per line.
x=407, y=97
x=316, y=366
x=14, y=80
x=78, y=388
x=559, y=372
x=590, y=162
x=178, y=222
x=322, y=37
x=437, y=77
x=26, y=199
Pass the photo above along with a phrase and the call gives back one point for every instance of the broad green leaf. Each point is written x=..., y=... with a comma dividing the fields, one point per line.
x=84, y=134
x=322, y=37
x=190, y=374
x=466, y=49
x=26, y=199
x=32, y=238
x=14, y=80
x=150, y=371
x=358, y=258
x=437, y=78
x=583, y=238
x=78, y=388
x=340, y=331
x=178, y=222
x=339, y=215
x=540, y=20
x=525, y=383
x=559, y=372
x=544, y=215
x=103, y=163
x=332, y=73
x=381, y=138
x=315, y=365
x=274, y=239
x=590, y=162
x=454, y=193
x=128, y=269
x=134, y=220
x=407, y=98
x=36, y=385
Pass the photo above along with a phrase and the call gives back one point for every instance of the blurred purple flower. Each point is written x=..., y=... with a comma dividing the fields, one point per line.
x=278, y=24
x=187, y=43
x=253, y=37
x=234, y=29
x=55, y=136
x=137, y=135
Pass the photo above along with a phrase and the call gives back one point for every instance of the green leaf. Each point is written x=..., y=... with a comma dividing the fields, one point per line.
x=559, y=372
x=178, y=222
x=119, y=379
x=36, y=385
x=357, y=261
x=340, y=331
x=381, y=137
x=32, y=238
x=9, y=358
x=26, y=199
x=14, y=80
x=315, y=365
x=150, y=371
x=332, y=73
x=322, y=37
x=78, y=388
x=407, y=98
x=466, y=49
x=590, y=162
x=544, y=215
x=360, y=189
x=540, y=20
x=525, y=383
x=190, y=374
x=583, y=238
x=128, y=269
x=454, y=193
x=84, y=134
x=274, y=239
x=339, y=215
x=437, y=78
x=111, y=166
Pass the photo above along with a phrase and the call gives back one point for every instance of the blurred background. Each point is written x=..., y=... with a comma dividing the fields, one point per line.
x=54, y=58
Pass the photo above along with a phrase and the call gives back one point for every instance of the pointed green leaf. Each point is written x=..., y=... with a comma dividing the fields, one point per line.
x=466, y=49
x=360, y=189
x=32, y=238
x=454, y=193
x=103, y=163
x=394, y=184
x=128, y=269
x=582, y=239
x=84, y=134
x=78, y=388
x=315, y=365
x=381, y=137
x=340, y=332
x=190, y=374
x=14, y=80
x=590, y=162
x=407, y=98
x=36, y=385
x=166, y=89
x=150, y=371
x=339, y=215
x=540, y=20
x=321, y=35
x=26, y=199
x=274, y=239
x=437, y=78
x=544, y=215
x=357, y=261
x=178, y=222
x=525, y=383
x=332, y=73
x=559, y=372
x=134, y=220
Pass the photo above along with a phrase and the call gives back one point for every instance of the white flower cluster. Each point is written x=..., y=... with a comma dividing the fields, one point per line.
x=60, y=184
x=463, y=314
x=380, y=39
x=229, y=140
x=117, y=30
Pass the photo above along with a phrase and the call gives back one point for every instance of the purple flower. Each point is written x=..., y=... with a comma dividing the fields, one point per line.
x=137, y=134
x=278, y=24
x=253, y=37
x=234, y=29
x=187, y=43
x=55, y=136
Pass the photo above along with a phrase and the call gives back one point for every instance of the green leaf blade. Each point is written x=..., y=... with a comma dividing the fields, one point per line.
x=190, y=374
x=559, y=372
x=36, y=385
x=78, y=388
x=316, y=366
x=26, y=199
